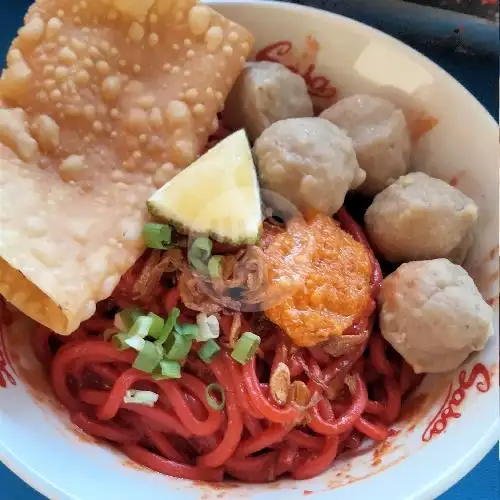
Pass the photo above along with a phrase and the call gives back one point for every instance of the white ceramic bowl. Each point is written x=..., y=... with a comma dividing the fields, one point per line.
x=453, y=420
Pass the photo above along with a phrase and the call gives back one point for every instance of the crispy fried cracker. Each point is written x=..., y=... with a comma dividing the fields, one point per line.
x=102, y=101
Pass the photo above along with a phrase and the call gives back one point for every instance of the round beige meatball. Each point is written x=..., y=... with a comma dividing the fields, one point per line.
x=380, y=135
x=308, y=161
x=420, y=217
x=432, y=313
x=266, y=92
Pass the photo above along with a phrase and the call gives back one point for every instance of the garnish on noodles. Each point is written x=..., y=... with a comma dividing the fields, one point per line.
x=335, y=290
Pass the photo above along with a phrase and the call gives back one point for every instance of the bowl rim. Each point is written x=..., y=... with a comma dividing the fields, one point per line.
x=447, y=477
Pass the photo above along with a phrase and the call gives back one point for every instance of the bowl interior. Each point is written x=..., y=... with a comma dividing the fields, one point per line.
x=447, y=425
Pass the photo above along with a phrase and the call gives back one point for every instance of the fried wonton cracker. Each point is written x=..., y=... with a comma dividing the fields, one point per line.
x=102, y=100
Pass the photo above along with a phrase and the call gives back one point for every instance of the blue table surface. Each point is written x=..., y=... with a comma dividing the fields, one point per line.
x=480, y=76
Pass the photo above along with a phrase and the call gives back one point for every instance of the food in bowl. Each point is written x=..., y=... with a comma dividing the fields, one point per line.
x=380, y=134
x=419, y=217
x=244, y=342
x=310, y=161
x=266, y=92
x=432, y=313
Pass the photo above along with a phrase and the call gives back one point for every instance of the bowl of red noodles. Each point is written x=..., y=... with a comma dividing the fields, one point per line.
x=355, y=419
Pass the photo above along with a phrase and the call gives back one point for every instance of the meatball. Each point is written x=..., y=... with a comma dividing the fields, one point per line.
x=380, y=135
x=419, y=217
x=432, y=313
x=459, y=253
x=309, y=161
x=265, y=93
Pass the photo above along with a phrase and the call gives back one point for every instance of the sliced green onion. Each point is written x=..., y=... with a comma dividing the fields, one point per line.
x=208, y=351
x=126, y=318
x=246, y=347
x=212, y=402
x=149, y=357
x=119, y=339
x=135, y=342
x=169, y=325
x=156, y=326
x=158, y=236
x=146, y=398
x=199, y=253
x=208, y=327
x=179, y=347
x=141, y=326
x=188, y=329
x=168, y=369
x=124, y=340
x=119, y=323
x=201, y=248
x=198, y=264
x=215, y=266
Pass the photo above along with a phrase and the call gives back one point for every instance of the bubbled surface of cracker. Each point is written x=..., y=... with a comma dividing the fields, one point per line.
x=101, y=101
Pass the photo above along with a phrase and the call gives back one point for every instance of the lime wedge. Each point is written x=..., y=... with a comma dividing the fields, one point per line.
x=217, y=195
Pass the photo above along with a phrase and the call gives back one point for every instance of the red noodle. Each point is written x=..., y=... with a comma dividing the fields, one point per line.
x=106, y=431
x=315, y=466
x=376, y=431
x=260, y=469
x=378, y=357
x=170, y=467
x=286, y=458
x=274, y=434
